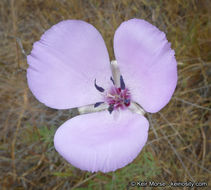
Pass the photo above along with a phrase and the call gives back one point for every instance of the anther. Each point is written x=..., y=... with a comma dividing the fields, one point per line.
x=112, y=80
x=97, y=104
x=122, y=83
x=111, y=108
x=99, y=88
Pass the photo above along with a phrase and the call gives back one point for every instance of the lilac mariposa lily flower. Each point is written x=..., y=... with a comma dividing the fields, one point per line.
x=69, y=67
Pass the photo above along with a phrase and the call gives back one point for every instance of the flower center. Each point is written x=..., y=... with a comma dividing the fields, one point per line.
x=116, y=97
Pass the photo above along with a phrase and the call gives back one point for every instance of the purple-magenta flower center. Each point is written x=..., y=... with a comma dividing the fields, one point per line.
x=115, y=97
x=118, y=98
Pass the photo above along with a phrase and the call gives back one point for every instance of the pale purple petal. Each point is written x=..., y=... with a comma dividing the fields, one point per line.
x=146, y=62
x=101, y=142
x=64, y=64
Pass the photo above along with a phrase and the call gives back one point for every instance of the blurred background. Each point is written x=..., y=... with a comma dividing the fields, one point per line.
x=178, y=148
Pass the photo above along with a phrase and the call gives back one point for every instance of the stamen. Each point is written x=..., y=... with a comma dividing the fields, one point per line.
x=112, y=80
x=122, y=83
x=111, y=108
x=99, y=88
x=97, y=104
x=126, y=101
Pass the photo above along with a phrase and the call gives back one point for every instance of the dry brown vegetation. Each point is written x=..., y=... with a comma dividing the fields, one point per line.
x=178, y=148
